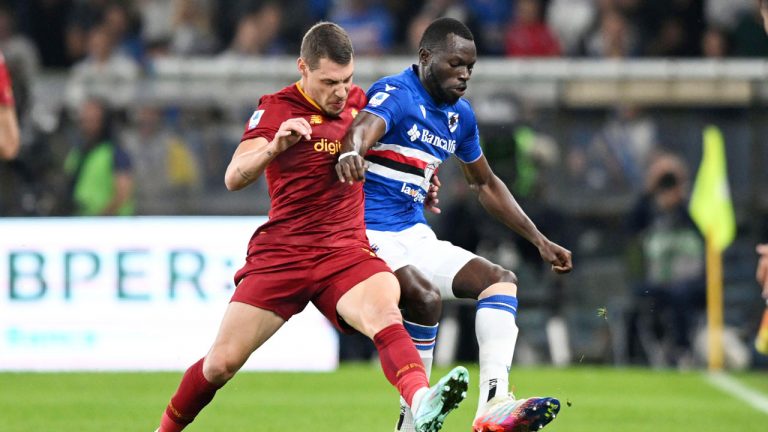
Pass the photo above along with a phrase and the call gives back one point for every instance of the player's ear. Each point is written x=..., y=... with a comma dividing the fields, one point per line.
x=424, y=56
x=303, y=67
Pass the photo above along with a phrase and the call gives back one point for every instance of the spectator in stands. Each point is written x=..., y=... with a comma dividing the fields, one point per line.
x=156, y=21
x=123, y=24
x=368, y=23
x=669, y=41
x=433, y=9
x=571, y=20
x=613, y=37
x=167, y=172
x=100, y=170
x=257, y=33
x=192, y=29
x=82, y=17
x=714, y=43
x=678, y=23
x=16, y=47
x=619, y=154
x=670, y=293
x=490, y=17
x=527, y=35
x=103, y=73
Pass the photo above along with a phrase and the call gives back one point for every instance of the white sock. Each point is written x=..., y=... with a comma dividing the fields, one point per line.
x=417, y=397
x=496, y=331
x=424, y=339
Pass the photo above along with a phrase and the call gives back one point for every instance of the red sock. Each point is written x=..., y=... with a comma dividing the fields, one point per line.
x=400, y=361
x=194, y=393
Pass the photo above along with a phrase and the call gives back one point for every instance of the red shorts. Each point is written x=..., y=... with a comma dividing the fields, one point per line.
x=283, y=278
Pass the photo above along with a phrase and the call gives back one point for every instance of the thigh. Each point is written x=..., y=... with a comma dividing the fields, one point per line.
x=341, y=271
x=243, y=329
x=371, y=305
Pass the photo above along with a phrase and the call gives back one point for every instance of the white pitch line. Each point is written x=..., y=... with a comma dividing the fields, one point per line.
x=728, y=384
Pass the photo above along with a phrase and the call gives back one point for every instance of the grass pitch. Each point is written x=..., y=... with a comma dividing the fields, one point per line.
x=358, y=398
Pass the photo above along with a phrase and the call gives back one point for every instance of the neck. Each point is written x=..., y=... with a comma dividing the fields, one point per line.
x=429, y=85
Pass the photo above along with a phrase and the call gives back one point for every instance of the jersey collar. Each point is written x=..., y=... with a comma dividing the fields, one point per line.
x=306, y=96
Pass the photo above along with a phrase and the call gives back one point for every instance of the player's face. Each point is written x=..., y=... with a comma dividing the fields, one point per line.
x=447, y=69
x=328, y=85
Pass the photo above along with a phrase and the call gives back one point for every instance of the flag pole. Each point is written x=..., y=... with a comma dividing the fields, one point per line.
x=714, y=305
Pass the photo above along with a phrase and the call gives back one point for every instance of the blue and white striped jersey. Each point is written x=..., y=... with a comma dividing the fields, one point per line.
x=419, y=136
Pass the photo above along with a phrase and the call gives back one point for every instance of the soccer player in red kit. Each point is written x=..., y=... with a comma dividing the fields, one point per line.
x=9, y=124
x=314, y=247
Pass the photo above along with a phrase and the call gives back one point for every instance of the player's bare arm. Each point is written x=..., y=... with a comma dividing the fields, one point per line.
x=9, y=133
x=364, y=133
x=497, y=200
x=253, y=155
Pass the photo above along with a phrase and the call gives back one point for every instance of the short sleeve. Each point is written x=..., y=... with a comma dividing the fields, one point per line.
x=387, y=102
x=265, y=121
x=468, y=149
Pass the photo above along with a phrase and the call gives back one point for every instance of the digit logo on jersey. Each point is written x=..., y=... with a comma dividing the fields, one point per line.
x=331, y=147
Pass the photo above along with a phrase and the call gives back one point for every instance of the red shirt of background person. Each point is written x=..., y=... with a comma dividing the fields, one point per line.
x=309, y=206
x=9, y=125
x=528, y=35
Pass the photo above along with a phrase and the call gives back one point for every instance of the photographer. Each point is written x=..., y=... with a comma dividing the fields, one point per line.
x=670, y=290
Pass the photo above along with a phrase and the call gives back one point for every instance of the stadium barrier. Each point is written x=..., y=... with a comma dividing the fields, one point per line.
x=140, y=293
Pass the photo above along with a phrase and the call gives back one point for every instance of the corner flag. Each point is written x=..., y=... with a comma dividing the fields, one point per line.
x=710, y=205
x=712, y=211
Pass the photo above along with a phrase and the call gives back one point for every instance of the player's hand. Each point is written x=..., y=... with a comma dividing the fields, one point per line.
x=351, y=168
x=762, y=268
x=431, y=202
x=558, y=256
x=291, y=131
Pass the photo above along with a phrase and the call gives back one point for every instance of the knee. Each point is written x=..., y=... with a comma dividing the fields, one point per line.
x=376, y=318
x=424, y=302
x=218, y=368
x=500, y=282
x=502, y=275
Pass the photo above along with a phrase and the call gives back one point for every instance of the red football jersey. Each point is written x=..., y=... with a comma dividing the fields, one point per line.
x=309, y=204
x=6, y=93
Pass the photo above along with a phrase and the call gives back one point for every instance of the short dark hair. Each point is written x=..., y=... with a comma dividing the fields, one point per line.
x=434, y=36
x=326, y=40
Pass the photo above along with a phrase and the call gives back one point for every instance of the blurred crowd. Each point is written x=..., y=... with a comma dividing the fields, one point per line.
x=131, y=33
x=104, y=46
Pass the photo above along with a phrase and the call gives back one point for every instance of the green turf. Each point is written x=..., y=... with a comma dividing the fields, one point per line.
x=357, y=398
x=758, y=382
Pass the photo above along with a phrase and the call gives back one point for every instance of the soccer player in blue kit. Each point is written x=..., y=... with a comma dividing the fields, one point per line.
x=413, y=122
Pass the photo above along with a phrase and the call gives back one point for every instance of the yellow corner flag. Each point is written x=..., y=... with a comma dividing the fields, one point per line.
x=712, y=210
x=711, y=206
